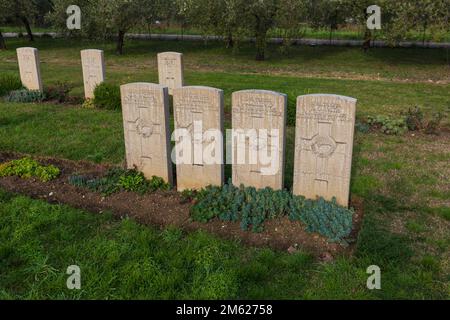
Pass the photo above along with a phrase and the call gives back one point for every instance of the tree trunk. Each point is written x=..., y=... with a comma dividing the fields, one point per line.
x=120, y=39
x=27, y=26
x=230, y=42
x=260, y=47
x=2, y=42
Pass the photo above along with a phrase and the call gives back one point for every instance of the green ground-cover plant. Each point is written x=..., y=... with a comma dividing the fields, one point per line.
x=118, y=179
x=28, y=168
x=9, y=82
x=107, y=96
x=252, y=207
x=25, y=96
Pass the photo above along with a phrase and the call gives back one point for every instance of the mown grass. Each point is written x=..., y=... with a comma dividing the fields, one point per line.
x=120, y=259
x=403, y=181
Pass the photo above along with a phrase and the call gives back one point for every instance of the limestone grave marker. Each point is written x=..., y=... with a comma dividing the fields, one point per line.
x=93, y=64
x=199, y=111
x=171, y=70
x=258, y=161
x=324, y=146
x=145, y=109
x=29, y=66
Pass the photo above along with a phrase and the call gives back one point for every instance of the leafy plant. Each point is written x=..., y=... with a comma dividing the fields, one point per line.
x=362, y=127
x=324, y=217
x=414, y=119
x=88, y=104
x=28, y=168
x=188, y=195
x=117, y=179
x=107, y=96
x=253, y=207
x=388, y=125
x=25, y=95
x=8, y=83
x=433, y=125
x=59, y=92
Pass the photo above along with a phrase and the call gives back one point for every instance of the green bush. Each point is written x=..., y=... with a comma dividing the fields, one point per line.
x=117, y=179
x=107, y=96
x=59, y=92
x=388, y=125
x=88, y=104
x=28, y=168
x=253, y=207
x=8, y=83
x=25, y=96
x=433, y=125
x=324, y=217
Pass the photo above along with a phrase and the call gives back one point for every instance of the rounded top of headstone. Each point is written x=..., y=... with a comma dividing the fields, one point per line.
x=331, y=96
x=257, y=91
x=92, y=50
x=26, y=48
x=172, y=53
x=197, y=88
x=144, y=85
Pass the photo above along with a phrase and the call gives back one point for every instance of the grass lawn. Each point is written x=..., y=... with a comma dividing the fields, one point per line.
x=402, y=179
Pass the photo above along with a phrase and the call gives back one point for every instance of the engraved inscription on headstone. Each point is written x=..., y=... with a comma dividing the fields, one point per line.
x=258, y=142
x=30, y=72
x=324, y=146
x=145, y=108
x=199, y=111
x=170, y=70
x=93, y=64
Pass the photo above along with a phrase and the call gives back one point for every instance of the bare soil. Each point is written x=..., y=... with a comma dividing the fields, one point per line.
x=168, y=208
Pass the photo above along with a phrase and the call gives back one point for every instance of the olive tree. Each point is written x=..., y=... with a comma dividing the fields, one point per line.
x=292, y=21
x=20, y=10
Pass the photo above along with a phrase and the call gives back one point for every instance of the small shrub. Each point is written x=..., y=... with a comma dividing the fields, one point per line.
x=414, y=119
x=188, y=195
x=117, y=180
x=433, y=125
x=253, y=207
x=157, y=183
x=324, y=217
x=362, y=127
x=388, y=125
x=88, y=104
x=59, y=92
x=8, y=83
x=107, y=96
x=28, y=168
x=25, y=96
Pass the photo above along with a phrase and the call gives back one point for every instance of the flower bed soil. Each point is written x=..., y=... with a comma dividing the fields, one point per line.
x=167, y=208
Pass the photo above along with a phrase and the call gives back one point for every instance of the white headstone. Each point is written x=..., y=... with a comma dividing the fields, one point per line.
x=30, y=72
x=145, y=109
x=171, y=70
x=199, y=112
x=323, y=146
x=93, y=64
x=258, y=142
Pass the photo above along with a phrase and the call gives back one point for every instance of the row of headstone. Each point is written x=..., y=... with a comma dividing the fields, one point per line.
x=323, y=142
x=170, y=69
